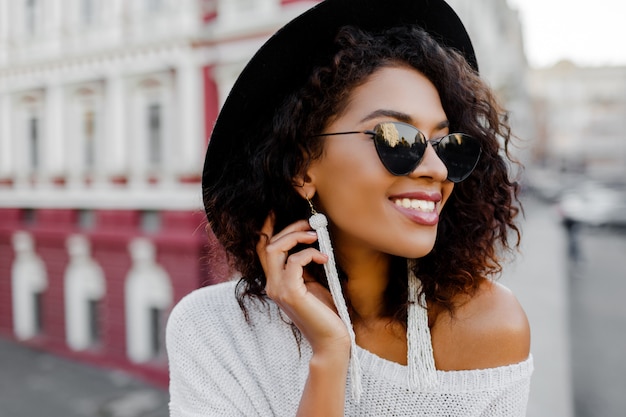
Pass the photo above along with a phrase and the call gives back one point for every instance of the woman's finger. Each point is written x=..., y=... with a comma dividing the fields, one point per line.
x=267, y=231
x=289, y=281
x=275, y=255
x=299, y=226
x=273, y=249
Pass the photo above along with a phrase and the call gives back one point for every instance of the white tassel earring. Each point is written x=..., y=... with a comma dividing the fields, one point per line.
x=319, y=223
x=421, y=361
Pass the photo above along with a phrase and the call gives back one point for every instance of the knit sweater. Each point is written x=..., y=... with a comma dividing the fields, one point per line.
x=222, y=365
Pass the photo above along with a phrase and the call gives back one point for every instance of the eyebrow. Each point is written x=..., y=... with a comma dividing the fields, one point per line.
x=399, y=116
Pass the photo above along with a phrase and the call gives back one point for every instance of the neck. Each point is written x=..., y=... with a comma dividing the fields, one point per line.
x=368, y=276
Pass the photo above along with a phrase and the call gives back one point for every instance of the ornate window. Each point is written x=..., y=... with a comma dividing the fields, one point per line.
x=151, y=126
x=85, y=130
x=30, y=132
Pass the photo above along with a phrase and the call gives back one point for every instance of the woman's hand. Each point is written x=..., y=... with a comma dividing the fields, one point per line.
x=310, y=306
x=306, y=302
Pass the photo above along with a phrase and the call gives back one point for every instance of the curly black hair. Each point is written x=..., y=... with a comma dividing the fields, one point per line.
x=477, y=221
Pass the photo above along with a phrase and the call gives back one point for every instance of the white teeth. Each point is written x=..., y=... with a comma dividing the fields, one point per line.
x=421, y=205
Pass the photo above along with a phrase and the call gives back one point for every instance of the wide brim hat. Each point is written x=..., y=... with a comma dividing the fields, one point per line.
x=284, y=63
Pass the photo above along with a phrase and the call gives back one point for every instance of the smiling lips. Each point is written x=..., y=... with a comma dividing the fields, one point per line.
x=422, y=210
x=415, y=204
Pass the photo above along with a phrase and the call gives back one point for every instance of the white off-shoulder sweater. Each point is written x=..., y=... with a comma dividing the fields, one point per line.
x=222, y=365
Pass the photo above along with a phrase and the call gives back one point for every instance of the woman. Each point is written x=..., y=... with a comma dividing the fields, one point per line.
x=370, y=118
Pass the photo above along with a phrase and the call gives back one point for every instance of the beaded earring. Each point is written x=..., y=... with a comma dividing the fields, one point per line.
x=421, y=361
x=319, y=223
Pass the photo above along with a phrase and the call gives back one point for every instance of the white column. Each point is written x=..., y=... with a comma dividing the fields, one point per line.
x=114, y=161
x=53, y=146
x=189, y=126
x=6, y=151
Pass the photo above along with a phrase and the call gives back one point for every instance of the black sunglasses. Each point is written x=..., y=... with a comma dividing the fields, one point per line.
x=401, y=148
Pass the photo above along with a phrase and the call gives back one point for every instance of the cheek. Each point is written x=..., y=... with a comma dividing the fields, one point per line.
x=351, y=186
x=350, y=178
x=446, y=192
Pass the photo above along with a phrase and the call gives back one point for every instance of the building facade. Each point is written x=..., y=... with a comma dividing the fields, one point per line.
x=581, y=119
x=105, y=111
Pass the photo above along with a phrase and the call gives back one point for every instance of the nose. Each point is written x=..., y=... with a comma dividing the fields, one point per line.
x=431, y=166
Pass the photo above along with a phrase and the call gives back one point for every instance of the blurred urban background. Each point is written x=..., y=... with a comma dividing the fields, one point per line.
x=105, y=112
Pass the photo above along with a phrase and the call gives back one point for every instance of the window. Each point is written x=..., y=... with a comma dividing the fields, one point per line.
x=88, y=11
x=89, y=138
x=151, y=124
x=85, y=131
x=31, y=16
x=38, y=312
x=155, y=135
x=33, y=141
x=156, y=336
x=93, y=310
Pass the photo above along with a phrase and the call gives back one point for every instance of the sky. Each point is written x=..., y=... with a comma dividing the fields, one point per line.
x=589, y=33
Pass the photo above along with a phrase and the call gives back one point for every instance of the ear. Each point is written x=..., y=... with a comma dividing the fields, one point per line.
x=304, y=185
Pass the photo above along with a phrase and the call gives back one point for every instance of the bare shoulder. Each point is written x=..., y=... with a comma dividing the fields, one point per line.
x=488, y=330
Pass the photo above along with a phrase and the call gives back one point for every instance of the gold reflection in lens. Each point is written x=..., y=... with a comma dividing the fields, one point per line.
x=390, y=134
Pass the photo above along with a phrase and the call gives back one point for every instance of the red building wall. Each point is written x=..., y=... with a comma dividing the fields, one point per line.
x=182, y=249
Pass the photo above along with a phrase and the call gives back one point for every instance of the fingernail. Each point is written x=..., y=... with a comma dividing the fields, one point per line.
x=312, y=233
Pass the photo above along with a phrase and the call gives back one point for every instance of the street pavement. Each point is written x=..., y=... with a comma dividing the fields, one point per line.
x=538, y=277
x=34, y=384
x=598, y=317
x=37, y=384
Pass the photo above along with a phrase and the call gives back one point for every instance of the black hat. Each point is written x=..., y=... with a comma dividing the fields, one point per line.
x=284, y=63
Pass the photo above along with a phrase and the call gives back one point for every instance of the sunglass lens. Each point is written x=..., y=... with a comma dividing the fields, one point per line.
x=460, y=153
x=400, y=146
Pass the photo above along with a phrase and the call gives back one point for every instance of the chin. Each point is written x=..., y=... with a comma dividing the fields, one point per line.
x=416, y=250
